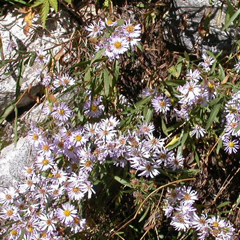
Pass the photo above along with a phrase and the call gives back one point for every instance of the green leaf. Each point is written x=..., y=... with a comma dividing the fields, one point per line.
x=68, y=1
x=213, y=115
x=15, y=126
x=87, y=76
x=233, y=17
x=149, y=114
x=184, y=138
x=44, y=13
x=107, y=81
x=229, y=12
x=175, y=83
x=223, y=204
x=145, y=214
x=122, y=181
x=219, y=146
x=173, y=71
x=164, y=128
x=98, y=56
x=37, y=3
x=54, y=5
x=6, y=112
x=143, y=101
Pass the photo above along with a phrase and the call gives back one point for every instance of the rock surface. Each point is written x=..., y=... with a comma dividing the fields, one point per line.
x=12, y=160
x=187, y=28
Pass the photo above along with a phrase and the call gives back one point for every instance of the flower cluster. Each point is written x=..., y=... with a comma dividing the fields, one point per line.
x=231, y=132
x=114, y=37
x=179, y=206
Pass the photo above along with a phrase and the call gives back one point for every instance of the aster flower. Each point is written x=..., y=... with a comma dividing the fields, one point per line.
x=198, y=131
x=78, y=225
x=61, y=112
x=44, y=163
x=146, y=129
x=180, y=222
x=74, y=191
x=130, y=30
x=87, y=187
x=231, y=146
x=66, y=214
x=110, y=23
x=95, y=28
x=93, y=109
x=193, y=75
x=8, y=195
x=148, y=169
x=47, y=222
x=63, y=81
x=190, y=92
x=148, y=91
x=188, y=195
x=35, y=136
x=78, y=138
x=237, y=66
x=208, y=62
x=9, y=212
x=118, y=45
x=45, y=148
x=161, y=104
x=176, y=162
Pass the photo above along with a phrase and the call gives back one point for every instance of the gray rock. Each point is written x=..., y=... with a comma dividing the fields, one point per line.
x=13, y=159
x=186, y=27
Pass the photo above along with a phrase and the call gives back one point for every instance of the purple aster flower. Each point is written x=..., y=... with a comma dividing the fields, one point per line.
x=66, y=214
x=161, y=104
x=231, y=146
x=198, y=131
x=61, y=112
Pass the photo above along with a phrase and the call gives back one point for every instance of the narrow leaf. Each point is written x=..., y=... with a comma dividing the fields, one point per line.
x=106, y=80
x=44, y=13
x=213, y=115
x=54, y=5
x=98, y=56
x=233, y=17
x=37, y=3
x=6, y=112
x=223, y=204
x=143, y=101
x=122, y=181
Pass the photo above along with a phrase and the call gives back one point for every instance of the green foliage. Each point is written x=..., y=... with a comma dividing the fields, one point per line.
x=45, y=8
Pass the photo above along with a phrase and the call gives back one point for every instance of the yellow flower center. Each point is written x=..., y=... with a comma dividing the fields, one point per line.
x=162, y=104
x=231, y=144
x=61, y=111
x=88, y=163
x=210, y=85
x=14, y=232
x=117, y=45
x=45, y=147
x=78, y=138
x=130, y=28
x=29, y=170
x=9, y=213
x=94, y=108
x=66, y=81
x=215, y=224
x=67, y=213
x=71, y=149
x=8, y=197
x=45, y=162
x=35, y=136
x=76, y=189
x=109, y=22
x=30, y=229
